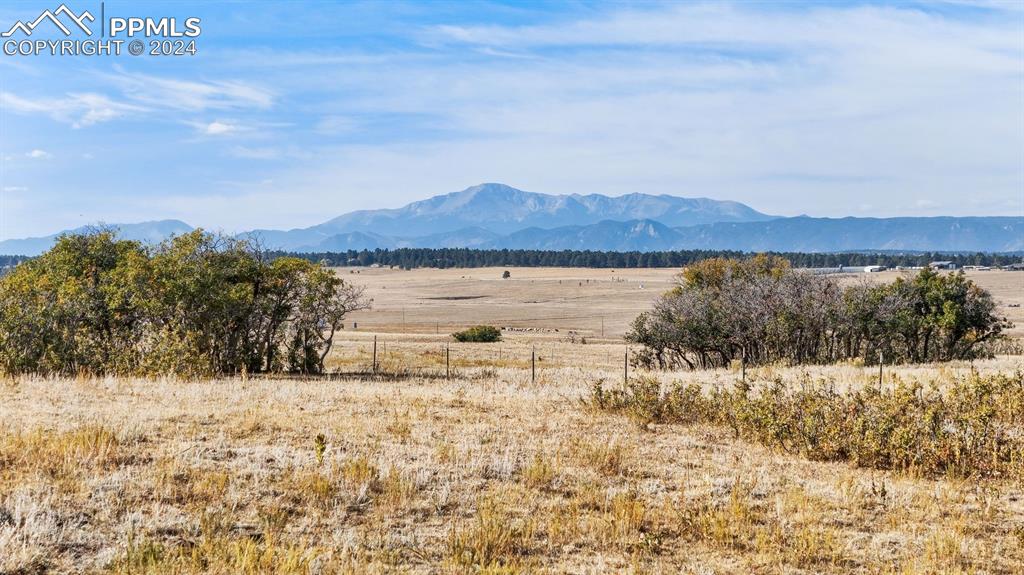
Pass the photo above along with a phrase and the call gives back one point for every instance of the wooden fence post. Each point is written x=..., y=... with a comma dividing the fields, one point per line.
x=533, y=365
x=374, y=354
x=448, y=361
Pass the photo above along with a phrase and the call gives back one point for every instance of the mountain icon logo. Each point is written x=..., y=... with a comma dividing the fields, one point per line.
x=62, y=10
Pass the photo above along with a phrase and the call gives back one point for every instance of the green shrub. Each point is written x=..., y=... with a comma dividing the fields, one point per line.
x=969, y=428
x=479, y=334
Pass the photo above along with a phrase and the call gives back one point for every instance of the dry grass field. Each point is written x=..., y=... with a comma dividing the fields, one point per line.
x=485, y=471
x=427, y=301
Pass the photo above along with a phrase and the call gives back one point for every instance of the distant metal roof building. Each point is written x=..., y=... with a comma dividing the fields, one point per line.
x=942, y=265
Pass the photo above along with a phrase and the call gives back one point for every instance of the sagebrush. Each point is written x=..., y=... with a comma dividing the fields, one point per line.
x=971, y=428
x=478, y=334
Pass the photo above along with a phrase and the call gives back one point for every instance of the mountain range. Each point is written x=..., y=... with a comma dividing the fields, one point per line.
x=496, y=216
x=497, y=209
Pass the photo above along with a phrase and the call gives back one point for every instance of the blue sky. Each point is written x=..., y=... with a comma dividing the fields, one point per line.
x=293, y=113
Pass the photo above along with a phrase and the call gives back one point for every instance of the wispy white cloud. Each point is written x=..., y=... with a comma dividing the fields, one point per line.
x=38, y=154
x=747, y=27
x=230, y=128
x=289, y=152
x=217, y=128
x=190, y=95
x=77, y=109
x=142, y=94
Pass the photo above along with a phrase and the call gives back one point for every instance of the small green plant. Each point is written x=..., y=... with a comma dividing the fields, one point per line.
x=478, y=334
x=320, y=448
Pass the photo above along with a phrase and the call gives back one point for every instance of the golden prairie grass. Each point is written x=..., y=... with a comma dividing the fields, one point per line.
x=484, y=473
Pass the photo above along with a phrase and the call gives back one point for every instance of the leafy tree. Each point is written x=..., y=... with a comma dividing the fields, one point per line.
x=77, y=309
x=761, y=311
x=197, y=304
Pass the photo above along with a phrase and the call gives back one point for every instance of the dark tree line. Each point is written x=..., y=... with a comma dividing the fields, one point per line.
x=409, y=258
x=195, y=305
x=761, y=311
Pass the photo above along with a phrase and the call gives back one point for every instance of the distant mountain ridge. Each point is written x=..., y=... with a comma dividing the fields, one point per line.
x=807, y=234
x=502, y=209
x=496, y=216
x=147, y=232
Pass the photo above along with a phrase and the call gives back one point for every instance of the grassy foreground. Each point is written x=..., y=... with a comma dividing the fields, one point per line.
x=483, y=473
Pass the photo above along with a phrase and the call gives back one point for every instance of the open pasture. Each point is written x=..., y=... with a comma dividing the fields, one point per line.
x=485, y=471
x=433, y=301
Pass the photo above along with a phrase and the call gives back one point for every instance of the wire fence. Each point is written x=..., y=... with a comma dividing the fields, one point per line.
x=378, y=362
x=598, y=326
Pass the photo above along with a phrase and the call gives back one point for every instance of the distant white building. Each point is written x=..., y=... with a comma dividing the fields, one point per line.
x=942, y=265
x=871, y=269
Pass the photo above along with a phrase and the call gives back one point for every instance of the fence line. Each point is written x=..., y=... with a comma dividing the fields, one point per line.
x=376, y=368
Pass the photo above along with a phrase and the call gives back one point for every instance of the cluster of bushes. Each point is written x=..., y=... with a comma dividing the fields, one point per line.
x=761, y=311
x=197, y=304
x=970, y=428
x=478, y=334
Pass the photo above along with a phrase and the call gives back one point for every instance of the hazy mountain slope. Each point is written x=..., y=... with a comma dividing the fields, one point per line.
x=351, y=241
x=473, y=237
x=295, y=239
x=636, y=235
x=844, y=234
x=148, y=232
x=670, y=210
